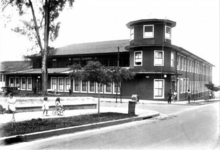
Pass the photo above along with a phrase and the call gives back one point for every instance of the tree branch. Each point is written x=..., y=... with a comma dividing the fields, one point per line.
x=36, y=27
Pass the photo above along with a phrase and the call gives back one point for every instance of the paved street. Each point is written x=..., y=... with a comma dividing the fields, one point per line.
x=187, y=127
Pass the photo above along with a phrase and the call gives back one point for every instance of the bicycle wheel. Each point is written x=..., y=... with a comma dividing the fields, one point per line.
x=54, y=112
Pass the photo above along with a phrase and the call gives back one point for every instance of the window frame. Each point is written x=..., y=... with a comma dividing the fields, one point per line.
x=147, y=37
x=135, y=58
x=115, y=88
x=102, y=87
x=22, y=83
x=172, y=61
x=131, y=34
x=66, y=86
x=60, y=90
x=170, y=35
x=19, y=84
x=28, y=83
x=54, y=84
x=163, y=82
x=105, y=88
x=89, y=89
x=155, y=51
x=74, y=88
x=82, y=87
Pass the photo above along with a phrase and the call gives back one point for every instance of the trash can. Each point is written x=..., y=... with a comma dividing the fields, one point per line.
x=132, y=103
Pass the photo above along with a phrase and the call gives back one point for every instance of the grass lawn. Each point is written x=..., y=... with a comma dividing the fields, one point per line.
x=36, y=125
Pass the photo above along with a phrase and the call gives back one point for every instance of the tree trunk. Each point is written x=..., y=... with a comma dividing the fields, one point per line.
x=98, y=98
x=45, y=51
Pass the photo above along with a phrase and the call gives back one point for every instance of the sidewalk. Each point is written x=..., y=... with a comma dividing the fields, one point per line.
x=21, y=116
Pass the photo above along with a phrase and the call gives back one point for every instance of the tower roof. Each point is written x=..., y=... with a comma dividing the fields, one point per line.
x=154, y=21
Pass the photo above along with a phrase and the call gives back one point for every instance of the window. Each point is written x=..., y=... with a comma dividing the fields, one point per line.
x=17, y=82
x=29, y=83
x=132, y=34
x=116, y=88
x=182, y=63
x=100, y=89
x=11, y=82
x=108, y=88
x=158, y=58
x=92, y=87
x=138, y=58
x=178, y=62
x=76, y=85
x=159, y=88
x=1, y=77
x=167, y=32
x=67, y=84
x=84, y=86
x=148, y=31
x=53, y=83
x=172, y=59
x=60, y=84
x=23, y=83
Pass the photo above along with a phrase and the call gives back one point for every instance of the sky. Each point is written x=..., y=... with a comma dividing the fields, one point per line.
x=197, y=28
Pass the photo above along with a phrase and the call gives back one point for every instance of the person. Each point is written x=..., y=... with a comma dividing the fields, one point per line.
x=169, y=95
x=188, y=95
x=57, y=103
x=45, y=106
x=175, y=95
x=11, y=106
x=70, y=91
x=59, y=107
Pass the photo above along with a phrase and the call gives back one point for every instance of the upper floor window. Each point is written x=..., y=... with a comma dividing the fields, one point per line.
x=132, y=34
x=148, y=31
x=172, y=59
x=138, y=58
x=158, y=58
x=178, y=62
x=167, y=32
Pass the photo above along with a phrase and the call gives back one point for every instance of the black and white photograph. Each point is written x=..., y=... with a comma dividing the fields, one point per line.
x=109, y=74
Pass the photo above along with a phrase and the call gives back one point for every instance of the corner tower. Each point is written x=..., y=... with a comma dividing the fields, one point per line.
x=150, y=31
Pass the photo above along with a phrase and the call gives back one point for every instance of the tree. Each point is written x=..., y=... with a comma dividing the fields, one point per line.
x=212, y=87
x=95, y=72
x=48, y=12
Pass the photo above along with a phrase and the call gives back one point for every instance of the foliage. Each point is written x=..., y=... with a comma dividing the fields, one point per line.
x=212, y=87
x=39, y=22
x=36, y=125
x=94, y=71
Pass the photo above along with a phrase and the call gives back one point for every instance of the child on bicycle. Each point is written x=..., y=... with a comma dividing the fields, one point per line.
x=58, y=104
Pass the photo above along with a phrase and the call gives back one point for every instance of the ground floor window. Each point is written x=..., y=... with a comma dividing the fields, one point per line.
x=67, y=84
x=99, y=88
x=23, y=83
x=116, y=88
x=92, y=87
x=159, y=88
x=60, y=80
x=29, y=83
x=17, y=82
x=84, y=86
x=108, y=88
x=76, y=86
x=53, y=83
x=11, y=82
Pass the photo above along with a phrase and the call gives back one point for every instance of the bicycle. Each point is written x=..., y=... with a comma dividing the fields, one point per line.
x=58, y=111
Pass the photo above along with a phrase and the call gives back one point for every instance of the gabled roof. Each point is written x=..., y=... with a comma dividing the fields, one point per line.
x=8, y=66
x=91, y=48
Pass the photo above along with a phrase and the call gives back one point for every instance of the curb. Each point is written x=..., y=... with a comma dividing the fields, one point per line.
x=61, y=131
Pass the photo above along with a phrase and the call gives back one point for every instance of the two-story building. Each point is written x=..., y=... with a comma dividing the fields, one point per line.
x=158, y=64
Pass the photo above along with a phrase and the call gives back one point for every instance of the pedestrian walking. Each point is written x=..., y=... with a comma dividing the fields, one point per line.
x=11, y=106
x=45, y=106
x=169, y=95
x=188, y=96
